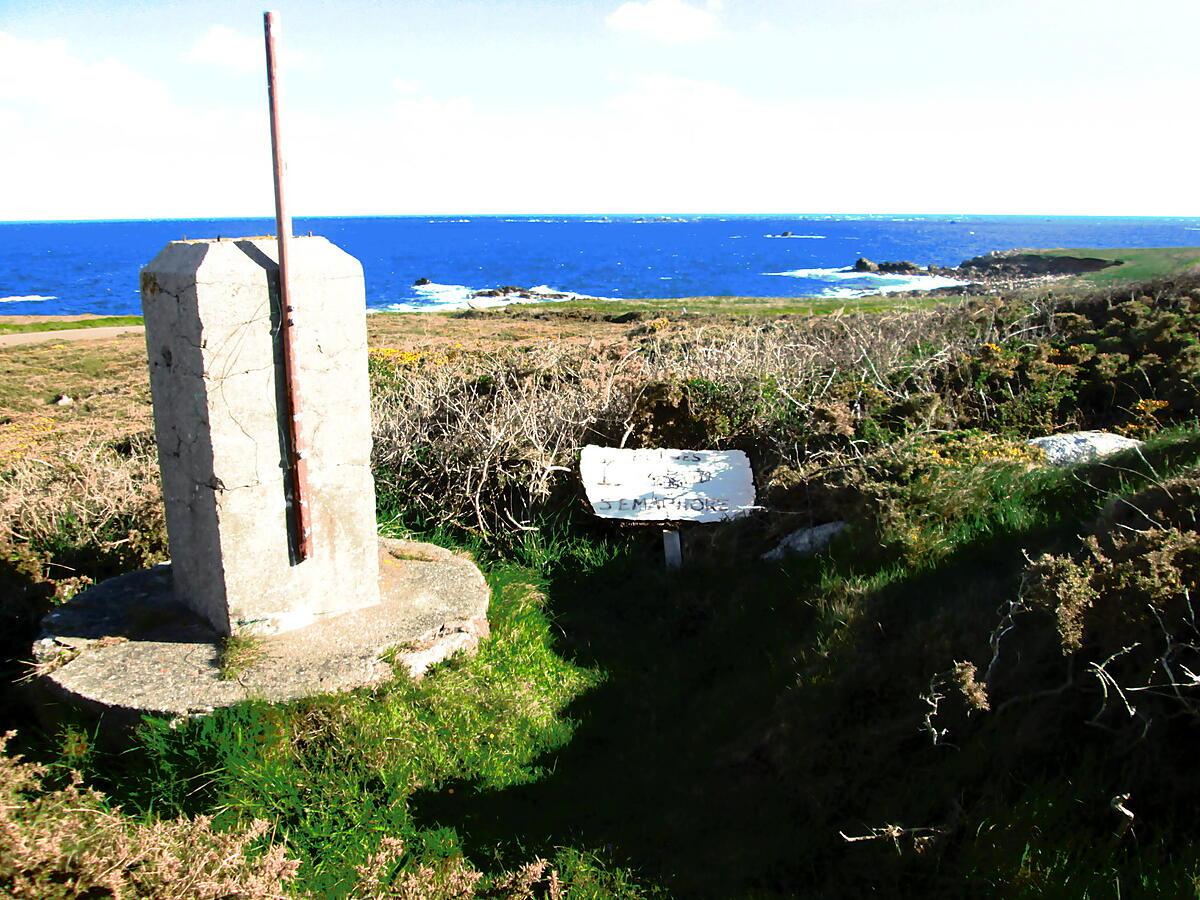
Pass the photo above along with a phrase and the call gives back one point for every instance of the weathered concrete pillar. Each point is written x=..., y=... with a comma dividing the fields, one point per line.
x=212, y=320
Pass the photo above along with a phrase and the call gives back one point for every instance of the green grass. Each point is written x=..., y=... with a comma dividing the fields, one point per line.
x=1137, y=263
x=752, y=712
x=335, y=774
x=713, y=732
x=70, y=325
x=708, y=732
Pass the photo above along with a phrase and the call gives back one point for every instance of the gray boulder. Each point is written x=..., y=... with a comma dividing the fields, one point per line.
x=1081, y=446
x=806, y=541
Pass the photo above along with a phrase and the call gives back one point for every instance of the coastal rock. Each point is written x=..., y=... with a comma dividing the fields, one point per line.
x=421, y=282
x=1000, y=268
x=1081, y=446
x=904, y=267
x=805, y=542
x=1016, y=264
x=512, y=292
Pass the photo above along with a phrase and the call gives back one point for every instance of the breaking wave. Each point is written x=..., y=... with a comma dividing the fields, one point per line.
x=435, y=297
x=850, y=284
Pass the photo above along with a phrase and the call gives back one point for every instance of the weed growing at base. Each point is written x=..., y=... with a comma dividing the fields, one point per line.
x=239, y=654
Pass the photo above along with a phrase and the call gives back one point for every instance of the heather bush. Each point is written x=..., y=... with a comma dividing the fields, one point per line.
x=66, y=842
x=1123, y=607
x=96, y=506
x=488, y=442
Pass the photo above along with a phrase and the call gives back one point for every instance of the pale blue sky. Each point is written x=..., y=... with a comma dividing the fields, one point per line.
x=1003, y=106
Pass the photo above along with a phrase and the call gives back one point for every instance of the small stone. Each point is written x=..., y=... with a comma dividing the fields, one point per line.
x=806, y=541
x=1081, y=446
x=63, y=400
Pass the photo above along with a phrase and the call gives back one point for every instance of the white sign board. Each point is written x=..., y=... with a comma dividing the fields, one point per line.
x=667, y=485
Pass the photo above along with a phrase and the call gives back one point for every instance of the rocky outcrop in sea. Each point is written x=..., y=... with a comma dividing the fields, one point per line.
x=1001, y=268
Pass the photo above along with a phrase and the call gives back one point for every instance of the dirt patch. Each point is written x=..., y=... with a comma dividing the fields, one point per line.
x=105, y=379
x=75, y=334
x=487, y=331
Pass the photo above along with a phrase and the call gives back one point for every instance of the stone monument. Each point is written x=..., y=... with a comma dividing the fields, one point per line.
x=212, y=322
x=152, y=641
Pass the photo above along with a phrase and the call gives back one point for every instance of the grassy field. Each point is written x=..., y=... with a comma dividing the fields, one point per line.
x=933, y=708
x=49, y=323
x=1137, y=264
x=738, y=306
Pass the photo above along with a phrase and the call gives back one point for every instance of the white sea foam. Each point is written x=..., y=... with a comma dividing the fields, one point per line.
x=449, y=297
x=823, y=274
x=842, y=293
x=869, y=282
x=28, y=298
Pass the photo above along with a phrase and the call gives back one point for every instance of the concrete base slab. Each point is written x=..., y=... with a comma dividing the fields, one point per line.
x=127, y=647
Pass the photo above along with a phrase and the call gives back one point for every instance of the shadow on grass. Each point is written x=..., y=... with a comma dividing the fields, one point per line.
x=25, y=596
x=752, y=713
x=691, y=763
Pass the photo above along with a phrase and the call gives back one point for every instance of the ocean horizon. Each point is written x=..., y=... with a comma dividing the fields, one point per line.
x=91, y=267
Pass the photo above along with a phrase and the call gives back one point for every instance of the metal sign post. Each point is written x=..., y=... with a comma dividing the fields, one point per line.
x=297, y=466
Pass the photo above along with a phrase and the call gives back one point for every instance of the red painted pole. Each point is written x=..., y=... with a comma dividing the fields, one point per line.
x=297, y=465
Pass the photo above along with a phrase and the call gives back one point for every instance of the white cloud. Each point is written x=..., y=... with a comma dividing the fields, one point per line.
x=225, y=48
x=406, y=86
x=45, y=72
x=100, y=139
x=667, y=21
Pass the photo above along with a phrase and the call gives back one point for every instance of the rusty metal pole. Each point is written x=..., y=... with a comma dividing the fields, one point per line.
x=297, y=465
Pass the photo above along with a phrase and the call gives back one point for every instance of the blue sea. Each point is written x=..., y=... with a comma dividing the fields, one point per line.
x=59, y=268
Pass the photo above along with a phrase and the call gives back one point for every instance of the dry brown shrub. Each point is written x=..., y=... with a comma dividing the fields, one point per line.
x=1125, y=612
x=380, y=878
x=93, y=494
x=485, y=441
x=525, y=881
x=966, y=676
x=1063, y=586
x=66, y=843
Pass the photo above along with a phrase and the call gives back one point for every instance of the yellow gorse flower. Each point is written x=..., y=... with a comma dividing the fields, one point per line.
x=409, y=359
